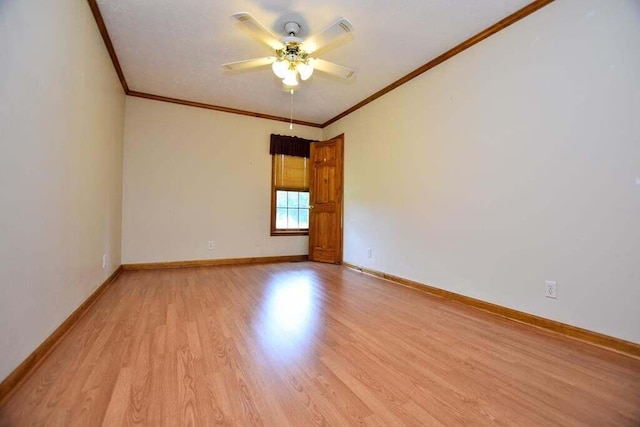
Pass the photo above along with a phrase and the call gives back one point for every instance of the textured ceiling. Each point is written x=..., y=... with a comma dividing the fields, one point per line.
x=176, y=48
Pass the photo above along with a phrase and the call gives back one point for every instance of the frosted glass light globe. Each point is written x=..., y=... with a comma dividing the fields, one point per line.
x=280, y=68
x=305, y=70
x=290, y=78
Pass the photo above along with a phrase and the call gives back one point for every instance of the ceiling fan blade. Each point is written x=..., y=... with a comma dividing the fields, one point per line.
x=257, y=30
x=333, y=69
x=249, y=63
x=332, y=33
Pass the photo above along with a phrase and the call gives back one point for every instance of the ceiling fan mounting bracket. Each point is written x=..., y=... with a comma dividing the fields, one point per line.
x=291, y=28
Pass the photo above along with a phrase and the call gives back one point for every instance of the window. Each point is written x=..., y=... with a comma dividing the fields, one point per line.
x=290, y=195
x=292, y=210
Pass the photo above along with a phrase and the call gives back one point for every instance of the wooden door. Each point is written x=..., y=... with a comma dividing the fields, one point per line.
x=325, y=195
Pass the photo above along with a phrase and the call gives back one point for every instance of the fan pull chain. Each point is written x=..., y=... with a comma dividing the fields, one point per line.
x=291, y=122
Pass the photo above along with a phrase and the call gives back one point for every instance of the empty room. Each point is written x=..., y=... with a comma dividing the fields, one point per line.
x=294, y=212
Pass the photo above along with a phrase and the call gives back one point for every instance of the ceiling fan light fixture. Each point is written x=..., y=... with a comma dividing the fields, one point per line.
x=305, y=70
x=290, y=79
x=280, y=68
x=292, y=61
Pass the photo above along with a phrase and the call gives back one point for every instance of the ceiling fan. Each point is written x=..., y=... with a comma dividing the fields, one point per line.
x=293, y=56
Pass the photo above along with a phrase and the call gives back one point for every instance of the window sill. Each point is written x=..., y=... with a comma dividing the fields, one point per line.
x=289, y=232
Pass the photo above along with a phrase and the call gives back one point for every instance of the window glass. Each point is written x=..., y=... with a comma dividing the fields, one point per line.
x=303, y=221
x=281, y=199
x=292, y=199
x=292, y=218
x=281, y=218
x=304, y=200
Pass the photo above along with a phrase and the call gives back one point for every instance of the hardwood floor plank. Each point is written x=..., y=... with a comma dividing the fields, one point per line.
x=312, y=344
x=119, y=399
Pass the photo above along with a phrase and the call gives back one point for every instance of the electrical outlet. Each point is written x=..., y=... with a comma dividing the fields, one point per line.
x=551, y=289
x=210, y=245
x=104, y=260
x=368, y=252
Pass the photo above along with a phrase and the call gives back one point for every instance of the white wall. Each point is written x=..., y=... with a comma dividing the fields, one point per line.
x=516, y=162
x=193, y=175
x=61, y=126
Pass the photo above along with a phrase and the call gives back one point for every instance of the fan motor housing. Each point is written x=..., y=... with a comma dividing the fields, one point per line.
x=292, y=52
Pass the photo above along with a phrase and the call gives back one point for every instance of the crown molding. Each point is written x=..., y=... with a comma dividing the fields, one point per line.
x=219, y=108
x=107, y=41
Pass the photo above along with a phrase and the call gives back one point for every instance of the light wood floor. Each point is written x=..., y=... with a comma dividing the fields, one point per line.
x=303, y=344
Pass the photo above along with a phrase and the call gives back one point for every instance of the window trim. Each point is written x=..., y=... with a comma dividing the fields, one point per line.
x=275, y=231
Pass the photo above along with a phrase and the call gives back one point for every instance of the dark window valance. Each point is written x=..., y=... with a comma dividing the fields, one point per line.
x=289, y=145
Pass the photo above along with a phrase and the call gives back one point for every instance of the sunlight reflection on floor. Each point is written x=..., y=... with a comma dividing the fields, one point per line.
x=290, y=316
